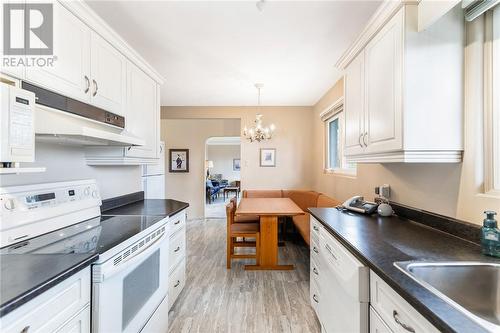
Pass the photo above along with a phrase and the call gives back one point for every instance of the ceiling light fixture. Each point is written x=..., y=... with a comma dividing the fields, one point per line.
x=258, y=132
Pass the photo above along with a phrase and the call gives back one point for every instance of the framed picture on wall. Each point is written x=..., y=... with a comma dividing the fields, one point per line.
x=236, y=164
x=267, y=157
x=178, y=160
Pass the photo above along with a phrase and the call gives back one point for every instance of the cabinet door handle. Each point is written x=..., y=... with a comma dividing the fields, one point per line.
x=395, y=315
x=161, y=149
x=315, y=228
x=359, y=139
x=315, y=298
x=315, y=249
x=87, y=84
x=315, y=271
x=177, y=249
x=364, y=137
x=177, y=284
x=96, y=87
x=176, y=223
x=25, y=329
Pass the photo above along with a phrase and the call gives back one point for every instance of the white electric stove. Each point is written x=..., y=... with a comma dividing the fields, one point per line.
x=130, y=278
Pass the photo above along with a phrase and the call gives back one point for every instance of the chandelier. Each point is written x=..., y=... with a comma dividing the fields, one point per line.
x=258, y=132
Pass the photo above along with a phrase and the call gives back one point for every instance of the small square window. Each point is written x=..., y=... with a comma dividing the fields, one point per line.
x=334, y=144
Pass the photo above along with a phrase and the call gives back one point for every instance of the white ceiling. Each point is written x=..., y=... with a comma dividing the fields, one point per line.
x=212, y=52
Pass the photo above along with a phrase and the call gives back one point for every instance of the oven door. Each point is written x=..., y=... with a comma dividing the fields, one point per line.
x=126, y=292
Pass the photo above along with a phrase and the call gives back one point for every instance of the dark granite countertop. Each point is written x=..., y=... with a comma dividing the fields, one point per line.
x=25, y=276
x=380, y=241
x=149, y=207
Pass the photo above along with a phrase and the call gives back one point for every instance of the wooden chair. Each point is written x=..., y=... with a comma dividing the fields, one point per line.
x=240, y=230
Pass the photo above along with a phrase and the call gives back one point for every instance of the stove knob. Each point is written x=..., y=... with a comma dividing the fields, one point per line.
x=9, y=204
x=94, y=194
x=86, y=192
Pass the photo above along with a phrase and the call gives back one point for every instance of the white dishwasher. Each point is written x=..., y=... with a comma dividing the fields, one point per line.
x=344, y=283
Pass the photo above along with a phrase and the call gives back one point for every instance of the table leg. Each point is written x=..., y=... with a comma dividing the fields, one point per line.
x=269, y=246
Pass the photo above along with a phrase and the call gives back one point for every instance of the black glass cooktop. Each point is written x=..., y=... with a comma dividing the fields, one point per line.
x=96, y=235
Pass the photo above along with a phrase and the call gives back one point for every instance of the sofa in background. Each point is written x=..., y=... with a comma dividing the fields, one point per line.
x=302, y=198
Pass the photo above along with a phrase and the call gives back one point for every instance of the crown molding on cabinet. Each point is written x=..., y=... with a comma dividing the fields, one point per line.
x=96, y=23
x=434, y=156
x=384, y=13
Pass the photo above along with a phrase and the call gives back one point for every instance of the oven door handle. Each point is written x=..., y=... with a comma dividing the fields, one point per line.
x=111, y=269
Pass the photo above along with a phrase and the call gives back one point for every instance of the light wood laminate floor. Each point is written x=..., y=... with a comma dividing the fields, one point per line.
x=219, y=300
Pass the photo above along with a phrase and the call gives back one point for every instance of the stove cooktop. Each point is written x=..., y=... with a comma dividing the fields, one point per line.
x=96, y=235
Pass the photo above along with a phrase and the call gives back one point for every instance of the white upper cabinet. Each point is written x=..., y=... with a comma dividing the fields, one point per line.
x=108, y=74
x=70, y=75
x=383, y=88
x=143, y=113
x=354, y=102
x=404, y=88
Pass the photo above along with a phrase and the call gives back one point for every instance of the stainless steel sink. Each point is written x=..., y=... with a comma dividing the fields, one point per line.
x=471, y=287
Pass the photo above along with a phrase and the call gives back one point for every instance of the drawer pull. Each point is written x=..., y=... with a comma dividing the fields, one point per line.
x=315, y=228
x=25, y=330
x=403, y=325
x=315, y=298
x=176, y=223
x=329, y=249
x=315, y=271
x=177, y=249
x=315, y=249
x=177, y=284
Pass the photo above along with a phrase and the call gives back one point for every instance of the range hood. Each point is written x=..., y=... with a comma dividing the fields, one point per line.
x=63, y=120
x=61, y=127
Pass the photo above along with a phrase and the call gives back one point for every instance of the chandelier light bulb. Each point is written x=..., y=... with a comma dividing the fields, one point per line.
x=272, y=127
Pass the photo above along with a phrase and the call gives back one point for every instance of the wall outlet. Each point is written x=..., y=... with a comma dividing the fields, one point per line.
x=383, y=191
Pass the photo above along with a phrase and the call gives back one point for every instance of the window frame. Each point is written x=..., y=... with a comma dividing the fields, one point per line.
x=492, y=105
x=335, y=111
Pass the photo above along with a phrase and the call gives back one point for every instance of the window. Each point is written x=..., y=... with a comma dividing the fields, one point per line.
x=335, y=161
x=492, y=107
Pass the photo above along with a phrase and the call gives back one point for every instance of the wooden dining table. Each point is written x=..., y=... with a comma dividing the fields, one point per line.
x=268, y=210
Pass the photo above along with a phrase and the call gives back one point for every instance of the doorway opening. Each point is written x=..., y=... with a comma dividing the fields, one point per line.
x=222, y=174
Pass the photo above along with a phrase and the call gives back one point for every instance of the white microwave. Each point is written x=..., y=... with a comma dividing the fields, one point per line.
x=17, y=130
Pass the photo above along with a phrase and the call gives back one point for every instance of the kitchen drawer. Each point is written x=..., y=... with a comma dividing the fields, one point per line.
x=315, y=251
x=176, y=282
x=52, y=309
x=315, y=270
x=394, y=310
x=177, y=249
x=337, y=260
x=78, y=324
x=377, y=325
x=177, y=222
x=315, y=229
x=314, y=295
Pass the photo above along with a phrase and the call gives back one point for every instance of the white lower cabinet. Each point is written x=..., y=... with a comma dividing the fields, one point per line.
x=78, y=324
x=63, y=308
x=341, y=285
x=394, y=311
x=349, y=298
x=377, y=325
x=177, y=257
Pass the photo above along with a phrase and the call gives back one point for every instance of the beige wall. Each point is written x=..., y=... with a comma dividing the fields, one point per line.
x=222, y=156
x=292, y=141
x=192, y=134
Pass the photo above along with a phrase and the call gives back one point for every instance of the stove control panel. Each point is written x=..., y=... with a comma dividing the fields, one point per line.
x=48, y=198
x=31, y=210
